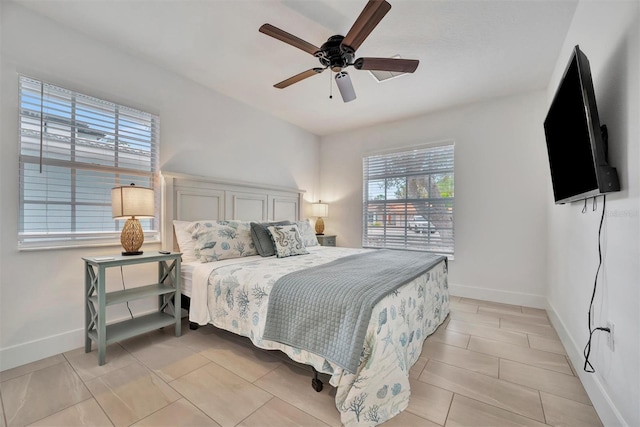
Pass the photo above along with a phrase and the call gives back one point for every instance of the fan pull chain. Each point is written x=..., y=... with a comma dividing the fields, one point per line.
x=330, y=87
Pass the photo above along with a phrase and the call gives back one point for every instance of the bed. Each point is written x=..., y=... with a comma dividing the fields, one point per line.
x=234, y=294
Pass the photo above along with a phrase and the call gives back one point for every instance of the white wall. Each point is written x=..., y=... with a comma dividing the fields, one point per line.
x=608, y=33
x=202, y=133
x=501, y=174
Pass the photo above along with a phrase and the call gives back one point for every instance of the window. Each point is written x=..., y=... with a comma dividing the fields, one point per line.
x=73, y=149
x=408, y=200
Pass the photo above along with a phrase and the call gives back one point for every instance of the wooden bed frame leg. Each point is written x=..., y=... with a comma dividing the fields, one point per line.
x=315, y=382
x=193, y=326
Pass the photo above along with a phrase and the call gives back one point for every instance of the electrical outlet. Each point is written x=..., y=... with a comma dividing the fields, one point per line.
x=610, y=338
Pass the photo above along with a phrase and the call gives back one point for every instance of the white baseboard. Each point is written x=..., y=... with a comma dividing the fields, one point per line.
x=35, y=350
x=604, y=406
x=506, y=297
x=32, y=351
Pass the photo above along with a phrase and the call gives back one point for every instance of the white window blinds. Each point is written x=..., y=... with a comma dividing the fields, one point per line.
x=73, y=149
x=409, y=200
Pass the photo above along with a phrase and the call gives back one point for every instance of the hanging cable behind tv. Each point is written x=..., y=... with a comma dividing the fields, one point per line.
x=588, y=367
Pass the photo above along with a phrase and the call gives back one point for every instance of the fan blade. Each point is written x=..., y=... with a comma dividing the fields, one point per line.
x=370, y=16
x=387, y=64
x=295, y=79
x=283, y=36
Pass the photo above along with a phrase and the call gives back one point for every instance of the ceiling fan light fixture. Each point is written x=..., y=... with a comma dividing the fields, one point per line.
x=345, y=86
x=339, y=52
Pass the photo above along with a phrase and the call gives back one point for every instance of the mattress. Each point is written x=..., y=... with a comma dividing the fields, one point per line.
x=186, y=274
x=233, y=295
x=196, y=270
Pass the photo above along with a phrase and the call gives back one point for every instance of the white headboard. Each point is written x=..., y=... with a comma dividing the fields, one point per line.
x=190, y=198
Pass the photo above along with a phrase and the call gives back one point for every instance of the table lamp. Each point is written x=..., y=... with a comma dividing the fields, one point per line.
x=132, y=202
x=320, y=210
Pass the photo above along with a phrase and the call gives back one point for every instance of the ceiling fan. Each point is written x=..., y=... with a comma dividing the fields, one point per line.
x=338, y=52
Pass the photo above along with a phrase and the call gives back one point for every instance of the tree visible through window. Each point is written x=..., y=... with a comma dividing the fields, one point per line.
x=409, y=200
x=73, y=149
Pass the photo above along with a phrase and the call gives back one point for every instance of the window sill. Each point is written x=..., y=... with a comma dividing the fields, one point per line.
x=449, y=257
x=42, y=246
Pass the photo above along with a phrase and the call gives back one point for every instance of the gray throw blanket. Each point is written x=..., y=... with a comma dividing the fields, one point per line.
x=326, y=309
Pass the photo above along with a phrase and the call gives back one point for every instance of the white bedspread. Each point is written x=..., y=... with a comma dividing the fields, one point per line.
x=233, y=295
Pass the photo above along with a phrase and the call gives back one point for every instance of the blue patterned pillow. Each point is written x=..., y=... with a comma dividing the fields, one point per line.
x=217, y=240
x=287, y=240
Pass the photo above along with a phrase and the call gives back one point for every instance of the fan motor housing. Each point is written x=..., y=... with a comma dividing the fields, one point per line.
x=333, y=55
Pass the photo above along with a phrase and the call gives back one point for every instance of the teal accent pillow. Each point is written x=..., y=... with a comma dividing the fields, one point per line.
x=262, y=238
x=287, y=240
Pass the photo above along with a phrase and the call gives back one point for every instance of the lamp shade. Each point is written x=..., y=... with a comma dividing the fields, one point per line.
x=132, y=201
x=320, y=210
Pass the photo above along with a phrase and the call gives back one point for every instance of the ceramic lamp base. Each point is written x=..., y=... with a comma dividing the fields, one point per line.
x=319, y=226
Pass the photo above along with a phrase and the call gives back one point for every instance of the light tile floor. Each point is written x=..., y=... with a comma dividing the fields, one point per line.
x=489, y=364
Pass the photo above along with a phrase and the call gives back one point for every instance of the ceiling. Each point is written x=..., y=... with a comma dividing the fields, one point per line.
x=468, y=50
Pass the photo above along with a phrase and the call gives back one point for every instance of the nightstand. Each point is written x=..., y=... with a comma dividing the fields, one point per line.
x=167, y=289
x=326, y=239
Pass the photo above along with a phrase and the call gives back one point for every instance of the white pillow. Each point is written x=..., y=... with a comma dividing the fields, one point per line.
x=186, y=243
x=307, y=232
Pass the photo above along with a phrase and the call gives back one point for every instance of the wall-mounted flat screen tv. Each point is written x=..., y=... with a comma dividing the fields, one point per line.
x=576, y=143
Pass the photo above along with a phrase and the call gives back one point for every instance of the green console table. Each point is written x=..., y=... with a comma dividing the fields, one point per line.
x=167, y=289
